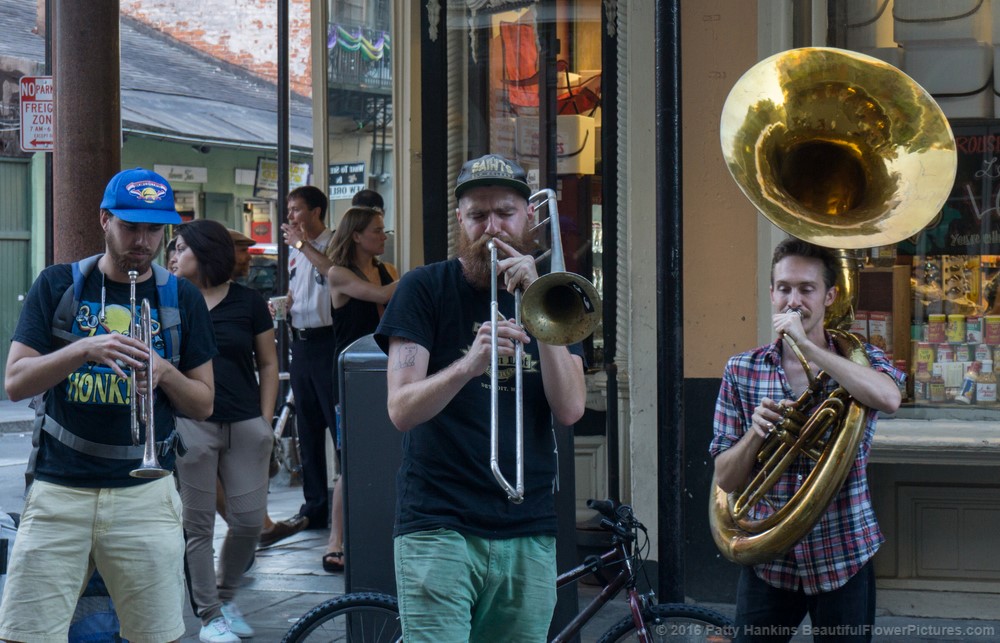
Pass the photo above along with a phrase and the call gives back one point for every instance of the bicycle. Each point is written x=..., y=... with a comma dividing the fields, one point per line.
x=286, y=449
x=372, y=617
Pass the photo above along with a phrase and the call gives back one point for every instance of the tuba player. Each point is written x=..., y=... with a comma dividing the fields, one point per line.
x=828, y=573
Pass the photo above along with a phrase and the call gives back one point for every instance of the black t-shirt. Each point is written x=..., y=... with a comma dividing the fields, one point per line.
x=238, y=319
x=93, y=402
x=356, y=318
x=444, y=480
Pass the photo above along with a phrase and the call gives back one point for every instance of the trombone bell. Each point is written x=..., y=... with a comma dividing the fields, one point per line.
x=560, y=308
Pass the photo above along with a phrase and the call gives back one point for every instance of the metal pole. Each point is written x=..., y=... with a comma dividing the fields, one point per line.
x=284, y=164
x=669, y=296
x=49, y=229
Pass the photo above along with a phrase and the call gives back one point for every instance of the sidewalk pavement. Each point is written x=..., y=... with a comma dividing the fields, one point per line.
x=287, y=580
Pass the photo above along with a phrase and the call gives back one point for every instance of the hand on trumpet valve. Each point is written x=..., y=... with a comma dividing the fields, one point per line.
x=118, y=352
x=143, y=372
x=518, y=269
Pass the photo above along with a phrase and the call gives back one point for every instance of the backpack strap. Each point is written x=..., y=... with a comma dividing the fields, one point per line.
x=169, y=310
x=69, y=303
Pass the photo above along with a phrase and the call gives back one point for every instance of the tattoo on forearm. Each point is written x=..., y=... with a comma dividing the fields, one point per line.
x=406, y=357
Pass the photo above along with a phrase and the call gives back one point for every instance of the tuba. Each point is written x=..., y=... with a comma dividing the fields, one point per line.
x=844, y=151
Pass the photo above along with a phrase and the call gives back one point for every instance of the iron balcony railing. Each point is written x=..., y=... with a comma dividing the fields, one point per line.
x=359, y=57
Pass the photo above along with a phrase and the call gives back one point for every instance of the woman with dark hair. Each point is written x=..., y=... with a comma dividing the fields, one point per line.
x=233, y=446
x=360, y=286
x=170, y=255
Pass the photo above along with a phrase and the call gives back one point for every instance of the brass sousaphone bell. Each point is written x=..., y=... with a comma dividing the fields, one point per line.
x=844, y=151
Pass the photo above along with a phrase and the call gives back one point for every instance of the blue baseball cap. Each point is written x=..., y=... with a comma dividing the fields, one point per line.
x=140, y=196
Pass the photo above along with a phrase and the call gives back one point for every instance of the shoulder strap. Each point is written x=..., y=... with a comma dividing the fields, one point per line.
x=383, y=274
x=69, y=303
x=169, y=310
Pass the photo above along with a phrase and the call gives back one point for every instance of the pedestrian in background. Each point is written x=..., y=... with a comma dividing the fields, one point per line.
x=360, y=286
x=230, y=450
x=313, y=350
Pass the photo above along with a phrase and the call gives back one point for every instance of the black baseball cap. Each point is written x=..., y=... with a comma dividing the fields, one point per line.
x=492, y=169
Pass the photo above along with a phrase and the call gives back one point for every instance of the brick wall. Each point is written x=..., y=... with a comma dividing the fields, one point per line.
x=240, y=32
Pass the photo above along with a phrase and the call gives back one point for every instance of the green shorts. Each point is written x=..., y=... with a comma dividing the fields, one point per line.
x=459, y=588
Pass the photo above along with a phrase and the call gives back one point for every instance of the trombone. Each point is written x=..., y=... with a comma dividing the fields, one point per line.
x=559, y=308
x=142, y=412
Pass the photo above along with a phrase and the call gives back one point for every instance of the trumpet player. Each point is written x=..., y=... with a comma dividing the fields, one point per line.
x=84, y=510
x=470, y=564
x=828, y=573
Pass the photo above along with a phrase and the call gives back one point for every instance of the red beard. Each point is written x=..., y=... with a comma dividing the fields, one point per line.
x=475, y=256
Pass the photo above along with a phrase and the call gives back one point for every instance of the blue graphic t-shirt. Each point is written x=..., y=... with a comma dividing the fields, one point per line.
x=93, y=401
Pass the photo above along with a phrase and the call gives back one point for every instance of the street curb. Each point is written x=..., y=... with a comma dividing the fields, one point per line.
x=16, y=417
x=17, y=425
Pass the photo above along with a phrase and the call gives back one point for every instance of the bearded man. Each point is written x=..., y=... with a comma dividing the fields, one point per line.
x=84, y=510
x=470, y=564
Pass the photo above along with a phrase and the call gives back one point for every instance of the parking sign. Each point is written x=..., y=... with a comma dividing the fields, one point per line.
x=37, y=111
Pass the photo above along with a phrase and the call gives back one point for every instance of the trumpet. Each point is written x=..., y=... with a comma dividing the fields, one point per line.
x=142, y=413
x=559, y=308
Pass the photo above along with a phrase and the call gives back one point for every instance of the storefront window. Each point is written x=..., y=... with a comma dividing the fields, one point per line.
x=931, y=300
x=510, y=70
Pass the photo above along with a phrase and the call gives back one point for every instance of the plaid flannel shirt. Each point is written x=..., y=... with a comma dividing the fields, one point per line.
x=847, y=535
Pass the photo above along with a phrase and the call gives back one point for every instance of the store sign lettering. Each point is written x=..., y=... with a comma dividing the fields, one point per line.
x=969, y=221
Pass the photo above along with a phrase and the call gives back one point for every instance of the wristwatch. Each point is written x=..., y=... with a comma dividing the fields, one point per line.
x=298, y=245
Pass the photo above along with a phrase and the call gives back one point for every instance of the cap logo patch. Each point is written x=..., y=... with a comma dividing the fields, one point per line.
x=492, y=164
x=147, y=191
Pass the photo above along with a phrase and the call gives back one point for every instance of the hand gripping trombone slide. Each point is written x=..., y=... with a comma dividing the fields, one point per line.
x=559, y=308
x=142, y=403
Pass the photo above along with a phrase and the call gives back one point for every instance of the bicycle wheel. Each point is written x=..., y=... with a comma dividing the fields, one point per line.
x=358, y=618
x=675, y=623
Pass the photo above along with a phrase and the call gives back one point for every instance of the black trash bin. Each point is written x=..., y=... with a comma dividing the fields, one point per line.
x=371, y=449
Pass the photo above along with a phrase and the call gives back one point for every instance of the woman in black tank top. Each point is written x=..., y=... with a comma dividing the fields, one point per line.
x=360, y=286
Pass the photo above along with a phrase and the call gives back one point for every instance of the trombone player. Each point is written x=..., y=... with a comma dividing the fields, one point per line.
x=470, y=564
x=828, y=573
x=89, y=505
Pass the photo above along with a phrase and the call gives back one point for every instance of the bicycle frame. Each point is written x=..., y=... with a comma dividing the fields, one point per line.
x=618, y=554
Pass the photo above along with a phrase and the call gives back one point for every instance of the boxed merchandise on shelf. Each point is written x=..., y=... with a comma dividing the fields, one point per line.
x=880, y=330
x=576, y=143
x=922, y=20
x=956, y=72
x=868, y=24
x=859, y=327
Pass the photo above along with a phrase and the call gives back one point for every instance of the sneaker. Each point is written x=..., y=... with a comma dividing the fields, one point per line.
x=217, y=631
x=234, y=619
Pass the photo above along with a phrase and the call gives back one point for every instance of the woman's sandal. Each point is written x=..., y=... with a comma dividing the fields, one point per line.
x=333, y=562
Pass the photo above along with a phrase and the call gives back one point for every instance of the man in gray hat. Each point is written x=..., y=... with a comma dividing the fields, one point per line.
x=471, y=564
x=241, y=244
x=73, y=346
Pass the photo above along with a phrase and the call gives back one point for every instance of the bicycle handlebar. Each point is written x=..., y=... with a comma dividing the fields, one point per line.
x=618, y=518
x=604, y=507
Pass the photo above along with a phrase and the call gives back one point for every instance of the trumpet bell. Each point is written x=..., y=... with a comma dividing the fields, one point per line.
x=838, y=148
x=561, y=308
x=149, y=470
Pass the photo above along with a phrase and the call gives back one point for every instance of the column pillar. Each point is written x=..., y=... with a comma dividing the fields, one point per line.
x=86, y=79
